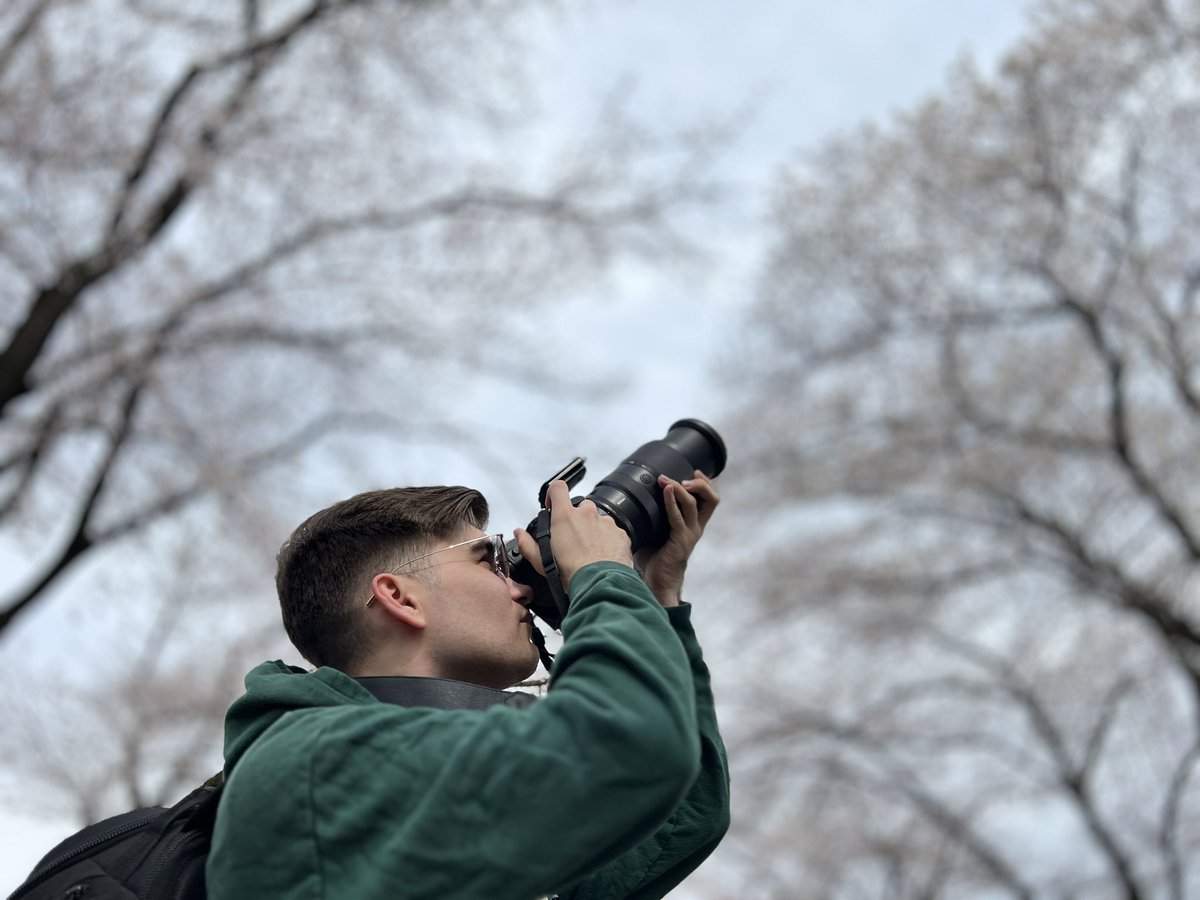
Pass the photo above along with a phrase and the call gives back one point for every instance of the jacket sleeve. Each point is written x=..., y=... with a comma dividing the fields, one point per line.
x=684, y=841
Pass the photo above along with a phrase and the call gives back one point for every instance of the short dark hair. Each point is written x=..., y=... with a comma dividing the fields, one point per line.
x=324, y=569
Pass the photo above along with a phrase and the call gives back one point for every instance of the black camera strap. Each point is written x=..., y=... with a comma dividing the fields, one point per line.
x=539, y=640
x=541, y=533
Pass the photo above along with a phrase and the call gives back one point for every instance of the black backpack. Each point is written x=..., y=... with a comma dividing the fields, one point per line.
x=147, y=854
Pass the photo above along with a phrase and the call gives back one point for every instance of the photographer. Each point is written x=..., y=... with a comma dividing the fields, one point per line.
x=400, y=768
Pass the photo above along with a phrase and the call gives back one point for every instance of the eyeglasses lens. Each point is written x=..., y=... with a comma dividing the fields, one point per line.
x=497, y=555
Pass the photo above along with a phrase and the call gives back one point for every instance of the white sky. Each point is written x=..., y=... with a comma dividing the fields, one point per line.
x=806, y=69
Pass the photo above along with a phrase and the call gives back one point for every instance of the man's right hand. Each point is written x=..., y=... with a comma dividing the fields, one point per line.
x=578, y=535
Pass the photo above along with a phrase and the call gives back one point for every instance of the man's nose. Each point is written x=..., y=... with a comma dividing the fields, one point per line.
x=520, y=593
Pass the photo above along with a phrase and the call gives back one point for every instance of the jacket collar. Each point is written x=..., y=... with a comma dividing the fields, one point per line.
x=441, y=693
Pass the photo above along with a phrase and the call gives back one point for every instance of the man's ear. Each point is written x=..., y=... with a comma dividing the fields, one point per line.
x=401, y=597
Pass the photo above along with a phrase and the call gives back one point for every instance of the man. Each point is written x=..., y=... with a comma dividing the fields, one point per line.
x=341, y=785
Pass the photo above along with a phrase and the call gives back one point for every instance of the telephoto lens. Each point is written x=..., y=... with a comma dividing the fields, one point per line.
x=630, y=493
x=632, y=496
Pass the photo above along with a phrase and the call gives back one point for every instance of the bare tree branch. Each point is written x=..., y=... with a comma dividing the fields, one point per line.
x=21, y=33
x=53, y=301
x=954, y=826
x=1169, y=834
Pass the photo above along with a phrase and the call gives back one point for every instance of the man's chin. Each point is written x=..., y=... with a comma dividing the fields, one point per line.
x=532, y=664
x=527, y=668
x=512, y=673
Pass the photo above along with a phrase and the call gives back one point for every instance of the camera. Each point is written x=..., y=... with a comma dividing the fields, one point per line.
x=630, y=494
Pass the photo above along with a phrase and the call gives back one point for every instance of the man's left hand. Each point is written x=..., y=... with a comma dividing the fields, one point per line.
x=689, y=504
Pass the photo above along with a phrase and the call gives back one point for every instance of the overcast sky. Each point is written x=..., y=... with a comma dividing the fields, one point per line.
x=804, y=69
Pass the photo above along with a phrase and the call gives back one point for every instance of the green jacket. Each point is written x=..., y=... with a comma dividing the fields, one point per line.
x=614, y=785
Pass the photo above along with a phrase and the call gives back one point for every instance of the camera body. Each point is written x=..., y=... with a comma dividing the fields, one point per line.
x=631, y=495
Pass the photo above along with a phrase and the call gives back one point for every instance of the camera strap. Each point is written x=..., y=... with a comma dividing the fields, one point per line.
x=541, y=533
x=539, y=640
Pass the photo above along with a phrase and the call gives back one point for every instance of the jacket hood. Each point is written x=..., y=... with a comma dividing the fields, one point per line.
x=274, y=689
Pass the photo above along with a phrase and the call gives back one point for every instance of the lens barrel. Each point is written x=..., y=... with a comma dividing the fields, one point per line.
x=630, y=493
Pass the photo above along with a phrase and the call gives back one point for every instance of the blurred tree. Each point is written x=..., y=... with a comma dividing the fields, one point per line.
x=227, y=230
x=971, y=377
x=233, y=236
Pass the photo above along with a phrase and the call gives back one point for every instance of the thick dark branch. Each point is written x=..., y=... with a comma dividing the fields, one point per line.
x=47, y=309
x=79, y=542
x=56, y=300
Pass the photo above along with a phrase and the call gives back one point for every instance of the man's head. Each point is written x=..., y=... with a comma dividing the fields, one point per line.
x=448, y=614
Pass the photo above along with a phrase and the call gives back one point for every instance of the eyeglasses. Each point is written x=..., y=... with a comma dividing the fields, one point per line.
x=490, y=547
